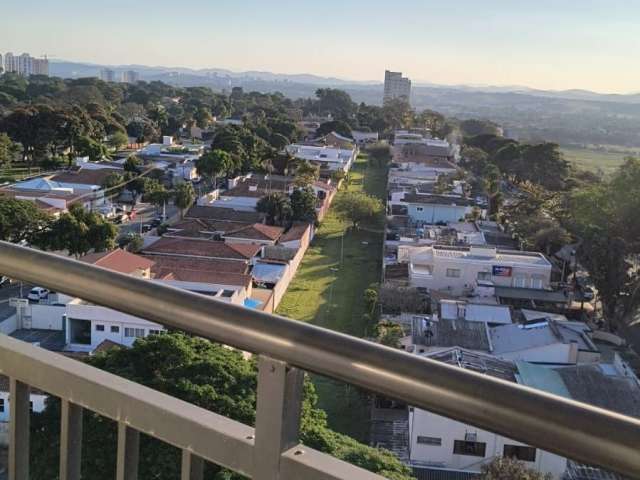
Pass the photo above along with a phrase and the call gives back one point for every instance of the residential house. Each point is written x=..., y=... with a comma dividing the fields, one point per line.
x=257, y=233
x=329, y=159
x=460, y=270
x=432, y=209
x=334, y=139
x=438, y=444
x=245, y=253
x=491, y=314
x=546, y=341
x=364, y=138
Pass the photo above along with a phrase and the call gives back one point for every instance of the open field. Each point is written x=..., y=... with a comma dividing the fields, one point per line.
x=328, y=291
x=592, y=160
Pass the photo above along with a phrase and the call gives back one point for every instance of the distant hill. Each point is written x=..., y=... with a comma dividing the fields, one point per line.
x=570, y=117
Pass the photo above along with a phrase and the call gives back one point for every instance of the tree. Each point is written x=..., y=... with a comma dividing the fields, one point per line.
x=88, y=147
x=334, y=102
x=338, y=126
x=389, y=334
x=8, y=150
x=118, y=139
x=277, y=207
x=303, y=205
x=492, y=179
x=21, y=220
x=132, y=164
x=306, y=174
x=184, y=195
x=78, y=232
x=380, y=152
x=505, y=468
x=203, y=373
x=357, y=207
x=604, y=219
x=397, y=113
x=156, y=193
x=215, y=163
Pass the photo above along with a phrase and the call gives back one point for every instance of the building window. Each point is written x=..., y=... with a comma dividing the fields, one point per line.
x=31, y=406
x=99, y=328
x=419, y=209
x=155, y=332
x=115, y=329
x=134, y=332
x=526, y=454
x=1, y=405
x=484, y=275
x=453, y=272
x=429, y=440
x=474, y=449
x=520, y=282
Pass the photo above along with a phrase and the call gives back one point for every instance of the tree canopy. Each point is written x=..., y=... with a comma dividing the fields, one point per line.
x=357, y=207
x=205, y=374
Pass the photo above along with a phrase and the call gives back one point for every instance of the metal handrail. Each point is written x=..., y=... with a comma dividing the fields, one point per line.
x=572, y=429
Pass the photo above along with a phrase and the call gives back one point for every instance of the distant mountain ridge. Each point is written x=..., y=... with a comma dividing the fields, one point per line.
x=184, y=76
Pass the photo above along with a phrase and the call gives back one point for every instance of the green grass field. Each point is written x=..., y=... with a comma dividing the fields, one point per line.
x=592, y=160
x=329, y=292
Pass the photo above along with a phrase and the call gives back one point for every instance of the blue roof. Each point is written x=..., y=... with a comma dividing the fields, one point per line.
x=251, y=303
x=541, y=378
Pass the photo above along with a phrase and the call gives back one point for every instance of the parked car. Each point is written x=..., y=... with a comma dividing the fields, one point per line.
x=156, y=222
x=38, y=293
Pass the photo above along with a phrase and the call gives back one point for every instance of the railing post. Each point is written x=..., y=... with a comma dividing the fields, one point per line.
x=19, y=413
x=192, y=466
x=70, y=440
x=279, y=405
x=128, y=452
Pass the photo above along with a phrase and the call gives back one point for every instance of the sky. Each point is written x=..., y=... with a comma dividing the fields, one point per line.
x=547, y=44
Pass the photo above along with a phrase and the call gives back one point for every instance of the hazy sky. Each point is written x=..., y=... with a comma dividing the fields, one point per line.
x=553, y=44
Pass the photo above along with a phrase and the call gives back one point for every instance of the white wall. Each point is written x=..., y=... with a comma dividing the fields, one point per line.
x=38, y=406
x=46, y=317
x=113, y=322
x=423, y=423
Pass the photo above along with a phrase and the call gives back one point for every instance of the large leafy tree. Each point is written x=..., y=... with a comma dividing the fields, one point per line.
x=338, y=126
x=184, y=195
x=21, y=220
x=303, y=204
x=78, y=232
x=604, y=219
x=357, y=207
x=277, y=207
x=8, y=150
x=205, y=374
x=215, y=163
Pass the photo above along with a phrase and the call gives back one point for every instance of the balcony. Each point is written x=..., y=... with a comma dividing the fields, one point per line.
x=285, y=349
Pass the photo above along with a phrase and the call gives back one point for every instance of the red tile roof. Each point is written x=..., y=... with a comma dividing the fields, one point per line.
x=202, y=248
x=119, y=261
x=257, y=231
x=168, y=263
x=85, y=177
x=222, y=213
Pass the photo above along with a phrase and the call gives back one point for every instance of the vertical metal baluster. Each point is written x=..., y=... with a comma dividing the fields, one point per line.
x=70, y=440
x=19, y=413
x=128, y=452
x=192, y=466
x=277, y=415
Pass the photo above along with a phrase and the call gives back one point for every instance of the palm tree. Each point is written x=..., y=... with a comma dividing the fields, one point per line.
x=277, y=207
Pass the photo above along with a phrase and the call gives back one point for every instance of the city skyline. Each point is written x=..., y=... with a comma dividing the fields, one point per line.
x=470, y=44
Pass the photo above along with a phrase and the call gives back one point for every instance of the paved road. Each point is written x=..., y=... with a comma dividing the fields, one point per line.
x=145, y=214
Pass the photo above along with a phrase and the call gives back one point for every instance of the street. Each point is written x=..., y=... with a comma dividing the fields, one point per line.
x=145, y=213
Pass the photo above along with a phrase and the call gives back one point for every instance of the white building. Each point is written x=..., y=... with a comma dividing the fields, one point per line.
x=459, y=270
x=107, y=75
x=25, y=64
x=440, y=443
x=396, y=86
x=327, y=157
x=130, y=76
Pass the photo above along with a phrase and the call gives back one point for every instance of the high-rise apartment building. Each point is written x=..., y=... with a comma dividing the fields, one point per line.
x=1, y=64
x=396, y=86
x=25, y=64
x=130, y=76
x=107, y=75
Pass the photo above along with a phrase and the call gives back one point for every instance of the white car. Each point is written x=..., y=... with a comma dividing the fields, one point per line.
x=38, y=293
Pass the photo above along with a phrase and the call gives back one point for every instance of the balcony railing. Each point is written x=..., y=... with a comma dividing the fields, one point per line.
x=285, y=347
